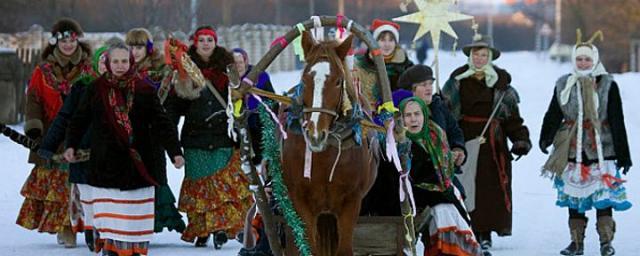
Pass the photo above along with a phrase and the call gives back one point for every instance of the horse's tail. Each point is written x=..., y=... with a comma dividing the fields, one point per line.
x=327, y=226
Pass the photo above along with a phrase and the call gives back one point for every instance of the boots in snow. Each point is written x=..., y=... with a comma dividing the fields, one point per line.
x=484, y=238
x=202, y=241
x=219, y=238
x=88, y=239
x=68, y=237
x=577, y=228
x=606, y=229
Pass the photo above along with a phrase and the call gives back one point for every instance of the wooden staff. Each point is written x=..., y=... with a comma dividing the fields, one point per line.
x=246, y=153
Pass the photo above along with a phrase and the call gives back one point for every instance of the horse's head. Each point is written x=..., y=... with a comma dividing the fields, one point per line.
x=323, y=80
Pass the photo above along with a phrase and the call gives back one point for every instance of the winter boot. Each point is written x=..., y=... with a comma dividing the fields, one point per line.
x=109, y=253
x=68, y=237
x=606, y=229
x=485, y=240
x=577, y=228
x=240, y=237
x=219, y=238
x=202, y=241
x=59, y=238
x=88, y=239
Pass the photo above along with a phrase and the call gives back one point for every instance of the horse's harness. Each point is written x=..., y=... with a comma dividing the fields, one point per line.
x=330, y=56
x=341, y=134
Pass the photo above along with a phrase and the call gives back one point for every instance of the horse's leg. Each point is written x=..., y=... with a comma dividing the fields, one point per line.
x=347, y=220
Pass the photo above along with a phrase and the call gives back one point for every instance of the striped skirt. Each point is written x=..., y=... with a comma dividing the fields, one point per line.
x=122, y=219
x=449, y=233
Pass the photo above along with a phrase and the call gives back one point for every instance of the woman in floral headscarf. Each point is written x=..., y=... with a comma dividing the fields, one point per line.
x=432, y=170
x=120, y=108
x=46, y=190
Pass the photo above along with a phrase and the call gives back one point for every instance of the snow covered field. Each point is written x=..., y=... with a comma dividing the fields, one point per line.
x=539, y=227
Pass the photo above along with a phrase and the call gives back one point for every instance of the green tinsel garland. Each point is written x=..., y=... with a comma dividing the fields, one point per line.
x=271, y=153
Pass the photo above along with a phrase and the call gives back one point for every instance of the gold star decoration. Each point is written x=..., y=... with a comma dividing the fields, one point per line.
x=433, y=17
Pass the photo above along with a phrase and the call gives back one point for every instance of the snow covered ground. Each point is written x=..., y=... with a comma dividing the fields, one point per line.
x=539, y=227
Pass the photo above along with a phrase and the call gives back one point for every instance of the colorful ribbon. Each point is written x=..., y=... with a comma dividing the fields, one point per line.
x=388, y=106
x=280, y=40
x=273, y=116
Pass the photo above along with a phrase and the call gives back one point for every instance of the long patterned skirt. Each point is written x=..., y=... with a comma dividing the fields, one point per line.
x=586, y=187
x=215, y=193
x=449, y=233
x=46, y=203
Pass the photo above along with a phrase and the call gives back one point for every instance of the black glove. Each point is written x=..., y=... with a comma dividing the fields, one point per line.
x=625, y=169
x=544, y=144
x=624, y=165
x=520, y=148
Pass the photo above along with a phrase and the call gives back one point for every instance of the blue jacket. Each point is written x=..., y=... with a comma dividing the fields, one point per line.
x=441, y=114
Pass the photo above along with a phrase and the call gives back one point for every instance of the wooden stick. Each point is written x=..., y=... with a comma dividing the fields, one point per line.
x=246, y=153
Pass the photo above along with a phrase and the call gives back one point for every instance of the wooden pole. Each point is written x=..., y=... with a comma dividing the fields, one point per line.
x=246, y=153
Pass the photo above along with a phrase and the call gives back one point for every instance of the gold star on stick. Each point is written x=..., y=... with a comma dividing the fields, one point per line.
x=434, y=16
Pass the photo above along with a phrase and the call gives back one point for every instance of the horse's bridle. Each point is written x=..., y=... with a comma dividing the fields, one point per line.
x=330, y=112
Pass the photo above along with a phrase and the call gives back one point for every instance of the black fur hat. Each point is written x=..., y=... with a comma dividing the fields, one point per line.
x=414, y=75
x=67, y=24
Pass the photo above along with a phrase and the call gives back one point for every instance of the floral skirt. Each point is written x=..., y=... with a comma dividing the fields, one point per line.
x=217, y=202
x=46, y=203
x=586, y=187
x=449, y=233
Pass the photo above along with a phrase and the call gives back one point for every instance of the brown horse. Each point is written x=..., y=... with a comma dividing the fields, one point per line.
x=342, y=172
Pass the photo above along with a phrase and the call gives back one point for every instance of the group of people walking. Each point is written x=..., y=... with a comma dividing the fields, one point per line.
x=113, y=121
x=115, y=102
x=584, y=123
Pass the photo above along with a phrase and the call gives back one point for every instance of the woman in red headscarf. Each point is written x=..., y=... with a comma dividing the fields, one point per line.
x=215, y=193
x=46, y=189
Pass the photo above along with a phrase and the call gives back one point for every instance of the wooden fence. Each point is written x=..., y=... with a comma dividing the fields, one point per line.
x=19, y=53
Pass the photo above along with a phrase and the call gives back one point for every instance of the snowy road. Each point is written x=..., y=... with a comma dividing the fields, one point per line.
x=539, y=227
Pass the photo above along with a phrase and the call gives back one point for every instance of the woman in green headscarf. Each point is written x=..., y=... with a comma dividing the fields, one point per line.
x=432, y=168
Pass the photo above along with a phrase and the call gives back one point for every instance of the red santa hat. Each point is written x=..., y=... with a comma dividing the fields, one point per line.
x=378, y=26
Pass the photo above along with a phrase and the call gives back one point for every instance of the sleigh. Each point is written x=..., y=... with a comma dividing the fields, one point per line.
x=317, y=180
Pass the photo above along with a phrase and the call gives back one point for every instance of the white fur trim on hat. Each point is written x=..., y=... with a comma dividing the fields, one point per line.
x=585, y=51
x=386, y=27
